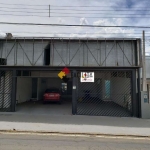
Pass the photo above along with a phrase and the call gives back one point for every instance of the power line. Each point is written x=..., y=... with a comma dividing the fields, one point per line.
x=71, y=25
x=53, y=12
x=74, y=16
x=102, y=16
x=94, y=6
x=23, y=11
x=74, y=33
x=23, y=15
x=71, y=13
x=21, y=4
x=69, y=5
x=143, y=10
x=23, y=8
x=46, y=8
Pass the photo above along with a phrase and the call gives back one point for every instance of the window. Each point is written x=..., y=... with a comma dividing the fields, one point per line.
x=3, y=61
x=107, y=88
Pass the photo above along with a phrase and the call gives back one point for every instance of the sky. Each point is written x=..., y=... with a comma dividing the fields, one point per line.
x=76, y=12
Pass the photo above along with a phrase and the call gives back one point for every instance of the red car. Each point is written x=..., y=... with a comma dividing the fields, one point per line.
x=52, y=95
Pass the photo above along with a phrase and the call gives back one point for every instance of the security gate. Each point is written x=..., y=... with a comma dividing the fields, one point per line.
x=109, y=95
x=5, y=90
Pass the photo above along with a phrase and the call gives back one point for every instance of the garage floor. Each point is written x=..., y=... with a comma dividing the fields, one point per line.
x=44, y=109
x=102, y=109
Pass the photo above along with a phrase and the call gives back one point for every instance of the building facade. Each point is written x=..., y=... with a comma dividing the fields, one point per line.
x=29, y=66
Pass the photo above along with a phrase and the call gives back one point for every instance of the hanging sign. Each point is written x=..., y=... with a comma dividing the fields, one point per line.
x=87, y=77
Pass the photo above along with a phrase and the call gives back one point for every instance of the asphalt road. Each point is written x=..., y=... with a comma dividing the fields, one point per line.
x=59, y=142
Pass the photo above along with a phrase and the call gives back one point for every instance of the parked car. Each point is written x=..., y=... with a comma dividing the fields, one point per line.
x=52, y=95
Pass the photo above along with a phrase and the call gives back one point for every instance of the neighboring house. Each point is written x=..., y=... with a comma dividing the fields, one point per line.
x=29, y=66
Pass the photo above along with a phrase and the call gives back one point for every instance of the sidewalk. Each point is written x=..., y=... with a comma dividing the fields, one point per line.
x=74, y=124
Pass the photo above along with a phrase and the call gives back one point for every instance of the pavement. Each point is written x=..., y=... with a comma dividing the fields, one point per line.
x=74, y=124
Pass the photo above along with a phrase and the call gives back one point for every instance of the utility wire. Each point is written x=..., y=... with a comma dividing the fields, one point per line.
x=54, y=12
x=23, y=15
x=70, y=5
x=71, y=25
x=69, y=13
x=74, y=33
x=89, y=10
x=102, y=16
x=74, y=16
x=23, y=11
x=21, y=4
x=143, y=10
x=24, y=8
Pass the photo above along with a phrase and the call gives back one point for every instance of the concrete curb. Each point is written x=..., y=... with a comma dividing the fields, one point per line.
x=73, y=134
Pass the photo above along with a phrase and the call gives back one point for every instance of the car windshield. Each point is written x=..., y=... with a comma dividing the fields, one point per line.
x=52, y=91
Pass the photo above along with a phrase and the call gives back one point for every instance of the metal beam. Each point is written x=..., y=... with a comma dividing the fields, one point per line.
x=76, y=52
x=40, y=54
x=10, y=50
x=25, y=54
x=59, y=55
x=58, y=68
x=92, y=54
x=124, y=54
x=108, y=53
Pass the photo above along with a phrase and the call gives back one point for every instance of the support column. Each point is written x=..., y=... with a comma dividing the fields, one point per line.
x=133, y=92
x=74, y=92
x=13, y=97
x=139, y=93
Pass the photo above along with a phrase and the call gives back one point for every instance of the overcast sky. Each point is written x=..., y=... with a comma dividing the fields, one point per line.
x=97, y=12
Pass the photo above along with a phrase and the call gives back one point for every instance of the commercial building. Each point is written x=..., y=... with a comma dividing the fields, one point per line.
x=31, y=65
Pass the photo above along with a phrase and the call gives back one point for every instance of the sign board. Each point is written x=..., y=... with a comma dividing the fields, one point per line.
x=87, y=77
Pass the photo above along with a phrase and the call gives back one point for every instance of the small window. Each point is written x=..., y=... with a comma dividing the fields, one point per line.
x=3, y=61
x=107, y=88
x=26, y=73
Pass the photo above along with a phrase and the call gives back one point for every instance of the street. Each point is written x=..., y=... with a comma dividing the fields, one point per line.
x=10, y=141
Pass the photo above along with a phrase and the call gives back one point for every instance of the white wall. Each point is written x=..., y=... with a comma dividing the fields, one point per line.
x=24, y=89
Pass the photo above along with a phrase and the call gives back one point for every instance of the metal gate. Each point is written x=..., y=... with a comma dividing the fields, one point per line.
x=109, y=94
x=5, y=90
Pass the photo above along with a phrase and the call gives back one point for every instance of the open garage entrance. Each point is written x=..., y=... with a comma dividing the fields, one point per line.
x=111, y=94
x=31, y=86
